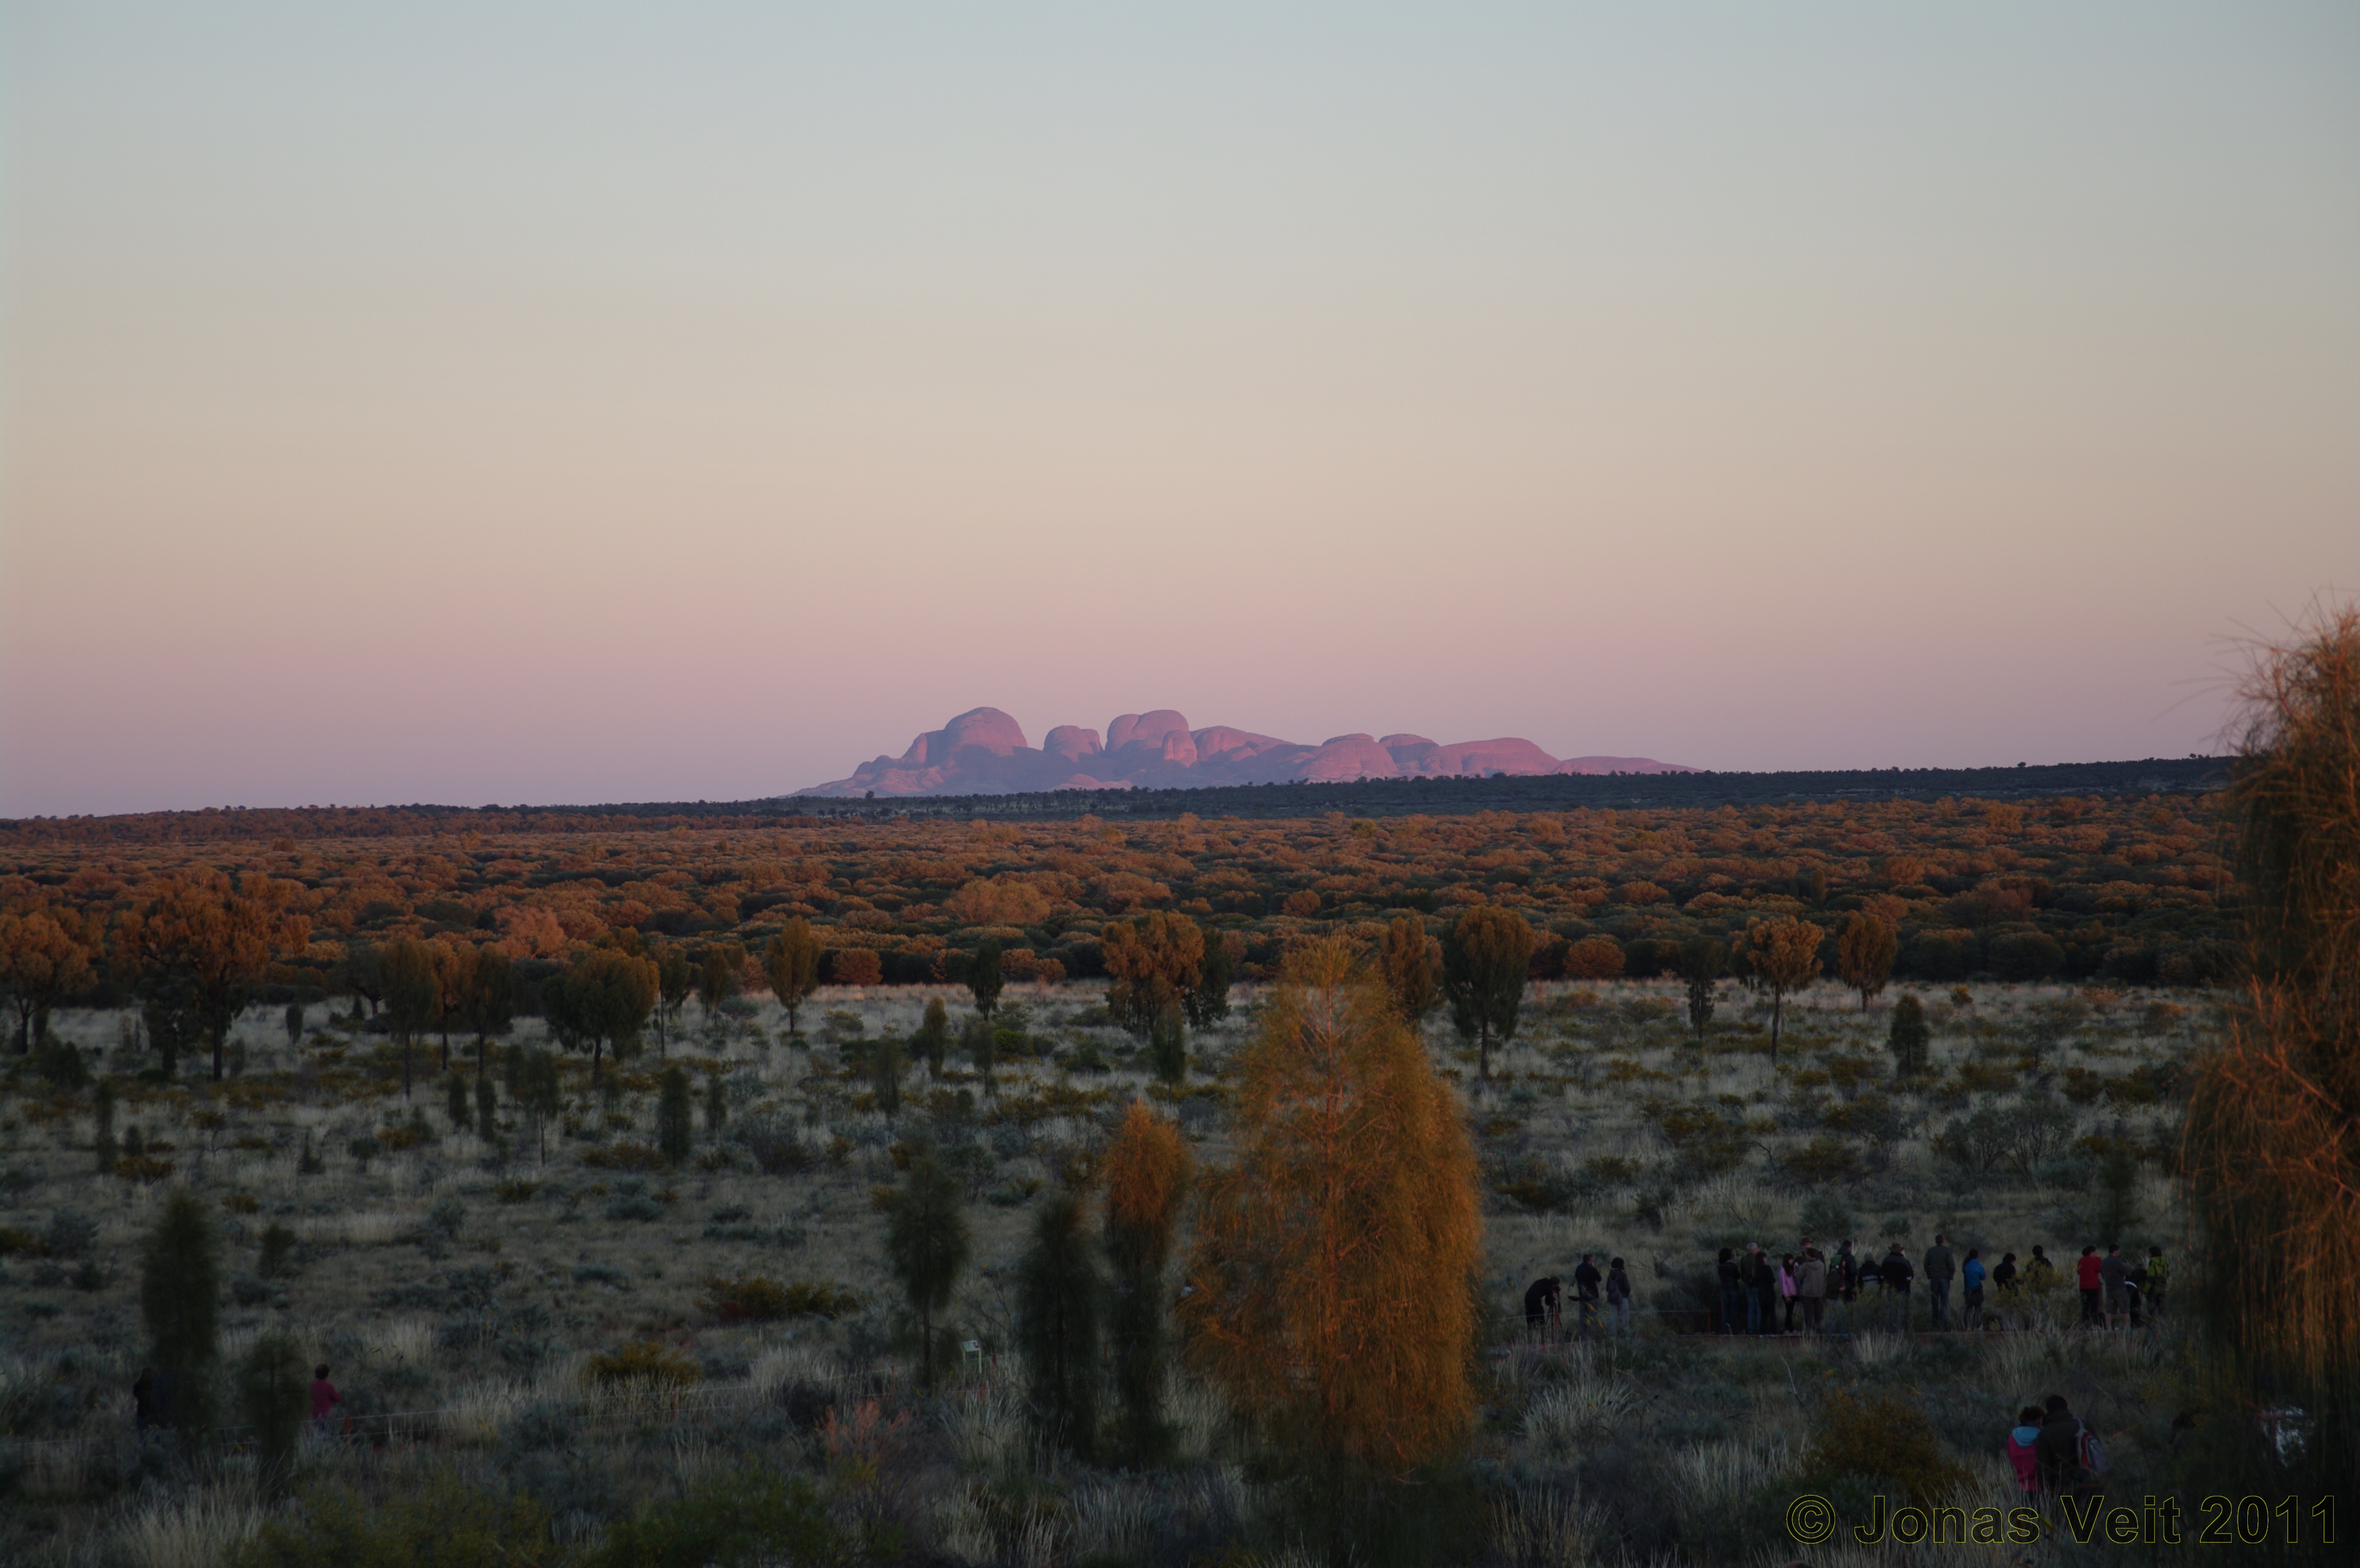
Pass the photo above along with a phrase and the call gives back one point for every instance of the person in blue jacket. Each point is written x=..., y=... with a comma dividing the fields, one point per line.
x=1972, y=1273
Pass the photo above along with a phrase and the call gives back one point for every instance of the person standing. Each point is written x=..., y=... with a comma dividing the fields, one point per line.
x=2037, y=1272
x=2091, y=1283
x=2054, y=1450
x=1541, y=1299
x=1733, y=1292
x=1756, y=1269
x=2114, y=1276
x=1896, y=1274
x=1939, y=1267
x=324, y=1400
x=1585, y=1282
x=1847, y=1271
x=1971, y=1278
x=143, y=1399
x=2158, y=1275
x=1618, y=1298
x=1811, y=1289
x=1787, y=1290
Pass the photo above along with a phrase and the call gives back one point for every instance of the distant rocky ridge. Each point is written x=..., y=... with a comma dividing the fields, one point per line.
x=983, y=751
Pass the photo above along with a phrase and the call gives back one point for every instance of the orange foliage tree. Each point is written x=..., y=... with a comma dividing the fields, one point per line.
x=1411, y=961
x=40, y=960
x=213, y=939
x=1331, y=1286
x=1153, y=962
x=1865, y=948
x=1785, y=954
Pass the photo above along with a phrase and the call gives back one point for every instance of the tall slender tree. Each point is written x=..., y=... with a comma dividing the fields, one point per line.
x=180, y=1297
x=934, y=1035
x=2270, y=1155
x=1332, y=1285
x=1058, y=1297
x=984, y=981
x=675, y=983
x=675, y=1126
x=1146, y=1170
x=1487, y=959
x=927, y=1246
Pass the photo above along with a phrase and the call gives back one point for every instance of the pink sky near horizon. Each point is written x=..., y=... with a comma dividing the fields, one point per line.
x=540, y=403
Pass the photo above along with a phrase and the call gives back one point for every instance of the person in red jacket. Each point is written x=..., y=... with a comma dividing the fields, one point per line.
x=2094, y=1295
x=324, y=1400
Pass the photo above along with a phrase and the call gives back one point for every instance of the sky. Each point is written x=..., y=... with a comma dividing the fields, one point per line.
x=558, y=403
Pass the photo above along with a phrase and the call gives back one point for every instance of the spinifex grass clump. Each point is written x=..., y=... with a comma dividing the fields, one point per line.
x=2273, y=1136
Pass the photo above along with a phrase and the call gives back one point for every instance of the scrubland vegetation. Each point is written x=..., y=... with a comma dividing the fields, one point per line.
x=934, y=1193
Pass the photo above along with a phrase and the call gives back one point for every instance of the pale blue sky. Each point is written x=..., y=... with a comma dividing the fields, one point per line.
x=391, y=394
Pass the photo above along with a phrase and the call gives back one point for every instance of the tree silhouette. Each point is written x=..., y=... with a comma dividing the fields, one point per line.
x=454, y=974
x=1167, y=1046
x=539, y=1090
x=1146, y=1170
x=675, y=983
x=1058, y=1292
x=273, y=1388
x=791, y=961
x=1865, y=949
x=1331, y=1286
x=1701, y=961
x=602, y=1001
x=719, y=976
x=180, y=1297
x=1785, y=954
x=926, y=1247
x=983, y=977
x=885, y=1074
x=1907, y=1036
x=675, y=1130
x=406, y=969
x=1487, y=956
x=934, y=1035
x=489, y=1004
x=1411, y=963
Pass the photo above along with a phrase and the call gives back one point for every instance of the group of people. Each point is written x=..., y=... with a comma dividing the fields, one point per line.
x=1545, y=1298
x=1755, y=1288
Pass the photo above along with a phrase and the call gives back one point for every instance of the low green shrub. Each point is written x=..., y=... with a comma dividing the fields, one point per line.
x=744, y=1518
x=442, y=1524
